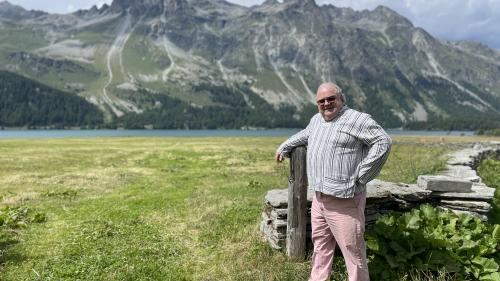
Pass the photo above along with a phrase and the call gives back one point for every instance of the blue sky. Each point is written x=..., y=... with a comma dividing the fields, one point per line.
x=477, y=20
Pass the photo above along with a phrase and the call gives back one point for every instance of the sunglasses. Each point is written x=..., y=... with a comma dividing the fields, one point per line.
x=329, y=99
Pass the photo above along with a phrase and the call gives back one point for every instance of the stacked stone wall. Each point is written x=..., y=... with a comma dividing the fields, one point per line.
x=458, y=189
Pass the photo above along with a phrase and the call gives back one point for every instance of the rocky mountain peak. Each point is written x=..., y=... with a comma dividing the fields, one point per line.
x=149, y=7
x=14, y=12
x=271, y=7
x=94, y=9
x=5, y=4
x=384, y=14
x=304, y=2
x=300, y=3
x=216, y=9
x=270, y=2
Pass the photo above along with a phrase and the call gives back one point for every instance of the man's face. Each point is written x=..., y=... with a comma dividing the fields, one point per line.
x=329, y=103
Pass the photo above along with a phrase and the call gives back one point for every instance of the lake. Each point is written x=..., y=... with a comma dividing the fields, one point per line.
x=192, y=133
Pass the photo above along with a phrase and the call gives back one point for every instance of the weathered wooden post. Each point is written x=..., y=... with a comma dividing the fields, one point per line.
x=297, y=205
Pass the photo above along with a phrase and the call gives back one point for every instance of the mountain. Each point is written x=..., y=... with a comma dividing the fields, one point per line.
x=130, y=57
x=14, y=12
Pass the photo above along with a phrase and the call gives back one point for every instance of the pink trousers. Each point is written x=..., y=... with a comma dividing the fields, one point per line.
x=338, y=221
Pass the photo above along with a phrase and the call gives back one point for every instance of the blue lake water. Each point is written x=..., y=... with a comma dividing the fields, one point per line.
x=192, y=133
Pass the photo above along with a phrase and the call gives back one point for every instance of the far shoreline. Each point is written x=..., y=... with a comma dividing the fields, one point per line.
x=12, y=133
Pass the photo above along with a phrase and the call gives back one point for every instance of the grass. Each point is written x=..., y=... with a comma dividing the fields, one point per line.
x=489, y=171
x=12, y=38
x=153, y=208
x=418, y=275
x=141, y=56
x=405, y=162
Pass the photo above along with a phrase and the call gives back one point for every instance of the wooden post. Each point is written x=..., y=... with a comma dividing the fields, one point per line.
x=297, y=205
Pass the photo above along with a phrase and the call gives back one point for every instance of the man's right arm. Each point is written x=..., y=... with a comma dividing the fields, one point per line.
x=298, y=139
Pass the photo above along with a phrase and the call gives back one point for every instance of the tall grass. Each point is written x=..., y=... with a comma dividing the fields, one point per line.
x=419, y=275
x=154, y=208
x=489, y=171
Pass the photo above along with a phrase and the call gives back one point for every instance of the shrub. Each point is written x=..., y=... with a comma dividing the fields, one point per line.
x=431, y=240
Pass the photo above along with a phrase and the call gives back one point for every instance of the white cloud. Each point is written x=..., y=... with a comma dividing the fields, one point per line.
x=70, y=8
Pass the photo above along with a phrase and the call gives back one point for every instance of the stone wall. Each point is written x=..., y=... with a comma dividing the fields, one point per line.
x=458, y=189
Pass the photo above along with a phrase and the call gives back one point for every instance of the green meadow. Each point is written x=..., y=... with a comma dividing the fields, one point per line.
x=152, y=208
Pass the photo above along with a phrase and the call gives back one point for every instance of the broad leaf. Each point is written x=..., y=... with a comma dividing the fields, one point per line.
x=495, y=276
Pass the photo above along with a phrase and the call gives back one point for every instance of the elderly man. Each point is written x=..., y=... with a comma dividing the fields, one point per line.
x=345, y=150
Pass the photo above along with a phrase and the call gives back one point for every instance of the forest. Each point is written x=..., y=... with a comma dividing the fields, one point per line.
x=27, y=103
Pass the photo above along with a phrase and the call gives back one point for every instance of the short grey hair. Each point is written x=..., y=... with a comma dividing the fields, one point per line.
x=333, y=86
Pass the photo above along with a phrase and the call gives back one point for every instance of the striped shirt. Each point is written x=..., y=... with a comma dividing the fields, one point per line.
x=342, y=154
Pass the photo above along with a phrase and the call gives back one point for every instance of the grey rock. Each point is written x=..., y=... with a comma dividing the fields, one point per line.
x=403, y=191
x=478, y=192
x=467, y=205
x=461, y=171
x=276, y=242
x=279, y=214
x=443, y=183
x=375, y=190
x=266, y=218
x=270, y=231
x=459, y=212
x=277, y=198
x=466, y=156
x=278, y=224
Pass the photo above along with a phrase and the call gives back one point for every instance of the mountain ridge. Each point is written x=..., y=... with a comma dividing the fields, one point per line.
x=280, y=51
x=16, y=12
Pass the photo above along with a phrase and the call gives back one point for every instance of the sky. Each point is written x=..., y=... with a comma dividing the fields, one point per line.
x=477, y=20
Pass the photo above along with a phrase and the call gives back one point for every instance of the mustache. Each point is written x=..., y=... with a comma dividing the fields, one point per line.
x=328, y=107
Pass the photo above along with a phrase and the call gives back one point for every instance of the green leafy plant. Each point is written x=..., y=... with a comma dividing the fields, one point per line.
x=15, y=217
x=12, y=218
x=489, y=171
x=254, y=184
x=432, y=240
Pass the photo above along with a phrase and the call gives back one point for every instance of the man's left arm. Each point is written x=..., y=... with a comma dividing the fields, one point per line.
x=379, y=144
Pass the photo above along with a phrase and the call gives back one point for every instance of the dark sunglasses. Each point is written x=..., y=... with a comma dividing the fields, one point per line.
x=330, y=99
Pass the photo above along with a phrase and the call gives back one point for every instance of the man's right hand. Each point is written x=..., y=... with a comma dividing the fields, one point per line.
x=278, y=157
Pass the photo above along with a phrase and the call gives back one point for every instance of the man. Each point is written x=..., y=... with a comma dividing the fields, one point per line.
x=345, y=150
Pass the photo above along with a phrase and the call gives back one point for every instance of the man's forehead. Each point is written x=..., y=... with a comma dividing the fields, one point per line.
x=327, y=91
